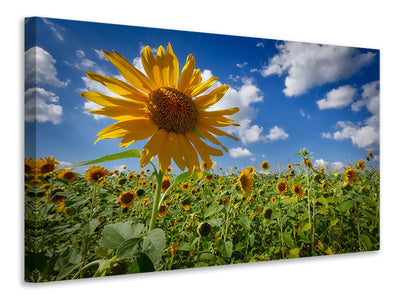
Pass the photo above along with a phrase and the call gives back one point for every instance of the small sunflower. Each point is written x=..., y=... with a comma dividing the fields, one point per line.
x=351, y=175
x=287, y=176
x=173, y=249
x=165, y=183
x=206, y=167
x=96, y=173
x=265, y=165
x=131, y=176
x=209, y=177
x=273, y=199
x=361, y=165
x=46, y=166
x=185, y=186
x=167, y=107
x=126, y=199
x=298, y=190
x=61, y=205
x=308, y=163
x=325, y=186
x=30, y=166
x=289, y=166
x=370, y=154
x=322, y=169
x=246, y=180
x=68, y=175
x=45, y=186
x=162, y=211
x=282, y=187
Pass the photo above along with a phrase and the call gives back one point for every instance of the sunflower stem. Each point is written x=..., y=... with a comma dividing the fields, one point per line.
x=157, y=198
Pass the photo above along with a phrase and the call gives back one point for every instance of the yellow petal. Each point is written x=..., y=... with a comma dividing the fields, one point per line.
x=194, y=82
x=163, y=65
x=187, y=73
x=210, y=137
x=176, y=151
x=204, y=86
x=119, y=87
x=122, y=128
x=189, y=153
x=105, y=100
x=211, y=98
x=165, y=155
x=153, y=147
x=129, y=72
x=121, y=113
x=173, y=67
x=216, y=113
x=210, y=116
x=139, y=135
x=214, y=130
x=202, y=148
x=148, y=62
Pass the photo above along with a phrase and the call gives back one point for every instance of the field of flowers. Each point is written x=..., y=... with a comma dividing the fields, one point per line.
x=104, y=222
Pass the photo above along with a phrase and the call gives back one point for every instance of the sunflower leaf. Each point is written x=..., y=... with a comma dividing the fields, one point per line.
x=124, y=154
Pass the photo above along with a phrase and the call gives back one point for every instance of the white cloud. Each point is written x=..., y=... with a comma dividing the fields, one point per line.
x=365, y=134
x=100, y=54
x=277, y=133
x=80, y=53
x=120, y=168
x=241, y=65
x=337, y=98
x=310, y=65
x=260, y=44
x=40, y=105
x=239, y=152
x=40, y=68
x=55, y=28
x=328, y=165
x=304, y=114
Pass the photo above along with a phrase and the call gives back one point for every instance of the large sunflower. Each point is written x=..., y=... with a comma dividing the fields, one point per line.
x=169, y=109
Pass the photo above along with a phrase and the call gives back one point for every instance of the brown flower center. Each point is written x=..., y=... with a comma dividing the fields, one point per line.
x=172, y=110
x=126, y=198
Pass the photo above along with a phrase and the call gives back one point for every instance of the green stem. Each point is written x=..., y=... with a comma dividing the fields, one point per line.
x=157, y=198
x=92, y=202
x=198, y=251
x=227, y=218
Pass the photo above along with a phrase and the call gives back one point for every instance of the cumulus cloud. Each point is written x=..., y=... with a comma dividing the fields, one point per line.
x=337, y=98
x=277, y=133
x=239, y=152
x=40, y=68
x=328, y=165
x=309, y=65
x=241, y=65
x=41, y=106
x=365, y=134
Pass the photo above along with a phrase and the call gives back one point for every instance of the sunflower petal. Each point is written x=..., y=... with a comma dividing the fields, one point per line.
x=119, y=87
x=163, y=65
x=105, y=100
x=120, y=113
x=129, y=72
x=138, y=135
x=153, y=147
x=173, y=67
x=210, y=137
x=189, y=153
x=165, y=155
x=194, y=82
x=187, y=73
x=122, y=128
x=204, y=86
x=176, y=151
x=214, y=130
x=211, y=98
x=148, y=61
x=217, y=113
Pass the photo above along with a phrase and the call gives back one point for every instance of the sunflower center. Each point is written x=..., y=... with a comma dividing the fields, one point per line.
x=172, y=110
x=127, y=198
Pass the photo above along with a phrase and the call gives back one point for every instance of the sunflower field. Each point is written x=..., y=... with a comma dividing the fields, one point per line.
x=109, y=222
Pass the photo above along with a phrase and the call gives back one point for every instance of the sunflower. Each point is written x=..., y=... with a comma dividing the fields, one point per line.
x=162, y=211
x=325, y=186
x=351, y=175
x=264, y=165
x=209, y=178
x=46, y=166
x=165, y=183
x=30, y=166
x=282, y=187
x=370, y=154
x=361, y=165
x=273, y=199
x=96, y=173
x=185, y=186
x=308, y=163
x=169, y=109
x=131, y=176
x=68, y=175
x=298, y=190
x=173, y=249
x=207, y=167
x=289, y=166
x=322, y=169
x=126, y=199
x=246, y=180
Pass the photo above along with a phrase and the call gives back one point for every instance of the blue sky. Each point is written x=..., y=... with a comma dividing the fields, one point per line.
x=291, y=95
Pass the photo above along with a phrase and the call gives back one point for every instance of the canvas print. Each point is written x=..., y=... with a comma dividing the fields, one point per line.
x=152, y=149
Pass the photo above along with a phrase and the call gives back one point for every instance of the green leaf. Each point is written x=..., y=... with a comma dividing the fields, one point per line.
x=226, y=249
x=124, y=154
x=244, y=221
x=128, y=249
x=154, y=245
x=89, y=227
x=306, y=227
x=142, y=264
x=346, y=205
x=115, y=234
x=288, y=240
x=214, y=208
